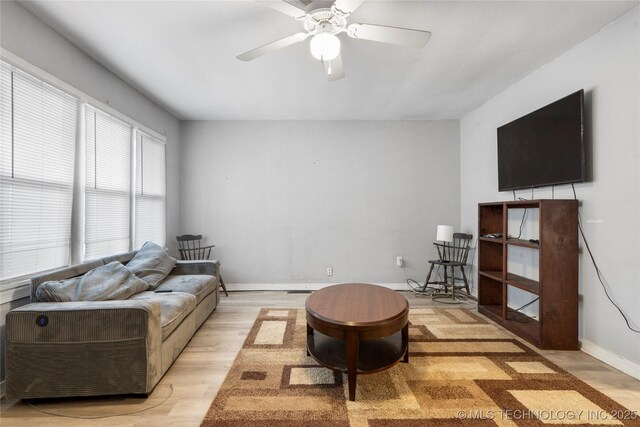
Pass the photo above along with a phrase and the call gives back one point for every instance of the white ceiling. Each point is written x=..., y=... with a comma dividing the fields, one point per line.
x=182, y=54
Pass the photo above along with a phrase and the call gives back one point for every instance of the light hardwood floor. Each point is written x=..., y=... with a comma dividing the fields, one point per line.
x=186, y=391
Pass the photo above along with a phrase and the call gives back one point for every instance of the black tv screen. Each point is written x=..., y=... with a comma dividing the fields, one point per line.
x=543, y=148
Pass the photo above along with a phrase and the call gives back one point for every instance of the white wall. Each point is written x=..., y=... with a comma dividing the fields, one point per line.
x=607, y=66
x=25, y=35
x=282, y=200
x=28, y=37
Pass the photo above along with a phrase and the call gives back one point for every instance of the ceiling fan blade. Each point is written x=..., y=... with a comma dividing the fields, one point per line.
x=286, y=8
x=334, y=68
x=393, y=35
x=272, y=47
x=346, y=7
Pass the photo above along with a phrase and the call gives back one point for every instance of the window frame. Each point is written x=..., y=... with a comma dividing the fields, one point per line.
x=134, y=184
x=15, y=288
x=97, y=189
x=10, y=284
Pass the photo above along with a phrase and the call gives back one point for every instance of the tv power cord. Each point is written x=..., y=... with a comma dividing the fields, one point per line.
x=516, y=312
x=598, y=271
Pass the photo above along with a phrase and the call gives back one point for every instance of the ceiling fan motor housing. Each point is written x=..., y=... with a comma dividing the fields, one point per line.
x=324, y=21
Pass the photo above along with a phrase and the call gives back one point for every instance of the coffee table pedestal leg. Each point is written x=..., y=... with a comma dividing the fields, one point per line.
x=353, y=344
x=309, y=333
x=405, y=337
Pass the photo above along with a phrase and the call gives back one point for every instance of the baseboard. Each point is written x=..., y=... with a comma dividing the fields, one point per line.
x=299, y=286
x=611, y=359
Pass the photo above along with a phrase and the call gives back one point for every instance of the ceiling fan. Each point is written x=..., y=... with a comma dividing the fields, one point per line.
x=323, y=26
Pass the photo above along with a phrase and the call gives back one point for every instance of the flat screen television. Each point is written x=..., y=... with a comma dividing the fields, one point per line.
x=545, y=147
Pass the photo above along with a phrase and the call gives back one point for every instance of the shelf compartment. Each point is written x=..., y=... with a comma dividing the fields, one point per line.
x=498, y=240
x=523, y=243
x=492, y=311
x=529, y=285
x=492, y=255
x=527, y=326
x=490, y=289
x=490, y=218
x=492, y=274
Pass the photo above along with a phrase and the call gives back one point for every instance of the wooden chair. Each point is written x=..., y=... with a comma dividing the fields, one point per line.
x=191, y=250
x=451, y=255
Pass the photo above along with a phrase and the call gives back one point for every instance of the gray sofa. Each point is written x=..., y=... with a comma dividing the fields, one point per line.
x=91, y=348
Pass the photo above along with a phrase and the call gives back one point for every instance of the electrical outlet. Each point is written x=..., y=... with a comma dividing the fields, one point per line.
x=329, y=271
x=399, y=262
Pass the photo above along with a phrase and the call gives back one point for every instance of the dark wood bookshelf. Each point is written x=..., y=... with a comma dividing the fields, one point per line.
x=557, y=285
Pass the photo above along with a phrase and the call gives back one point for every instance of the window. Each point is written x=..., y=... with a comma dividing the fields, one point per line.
x=151, y=199
x=107, y=184
x=37, y=149
x=67, y=187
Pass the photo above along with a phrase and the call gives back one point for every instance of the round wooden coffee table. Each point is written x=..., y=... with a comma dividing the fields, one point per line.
x=358, y=329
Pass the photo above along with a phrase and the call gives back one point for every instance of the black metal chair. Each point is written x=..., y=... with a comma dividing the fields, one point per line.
x=451, y=255
x=191, y=249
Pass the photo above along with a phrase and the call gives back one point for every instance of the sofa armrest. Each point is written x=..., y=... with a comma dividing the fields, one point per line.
x=210, y=267
x=84, y=321
x=83, y=348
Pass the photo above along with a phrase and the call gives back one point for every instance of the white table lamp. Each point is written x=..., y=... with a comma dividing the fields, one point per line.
x=445, y=233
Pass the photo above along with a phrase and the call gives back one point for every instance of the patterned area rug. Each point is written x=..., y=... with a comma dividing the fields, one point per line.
x=462, y=371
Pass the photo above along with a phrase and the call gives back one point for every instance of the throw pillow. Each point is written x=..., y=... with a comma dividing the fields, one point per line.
x=152, y=264
x=57, y=290
x=113, y=281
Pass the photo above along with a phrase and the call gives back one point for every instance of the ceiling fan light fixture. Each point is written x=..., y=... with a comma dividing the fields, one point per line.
x=325, y=46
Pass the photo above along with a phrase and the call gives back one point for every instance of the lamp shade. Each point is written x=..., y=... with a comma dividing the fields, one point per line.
x=325, y=46
x=445, y=233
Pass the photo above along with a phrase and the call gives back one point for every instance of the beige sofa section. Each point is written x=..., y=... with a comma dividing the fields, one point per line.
x=94, y=348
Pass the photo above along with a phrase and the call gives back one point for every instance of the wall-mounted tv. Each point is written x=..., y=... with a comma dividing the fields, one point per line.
x=545, y=147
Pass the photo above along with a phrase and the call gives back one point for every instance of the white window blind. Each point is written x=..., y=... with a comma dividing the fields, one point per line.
x=37, y=148
x=108, y=184
x=151, y=199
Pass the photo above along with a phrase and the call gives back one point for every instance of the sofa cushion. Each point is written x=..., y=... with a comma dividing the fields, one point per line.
x=174, y=307
x=113, y=281
x=151, y=264
x=199, y=285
